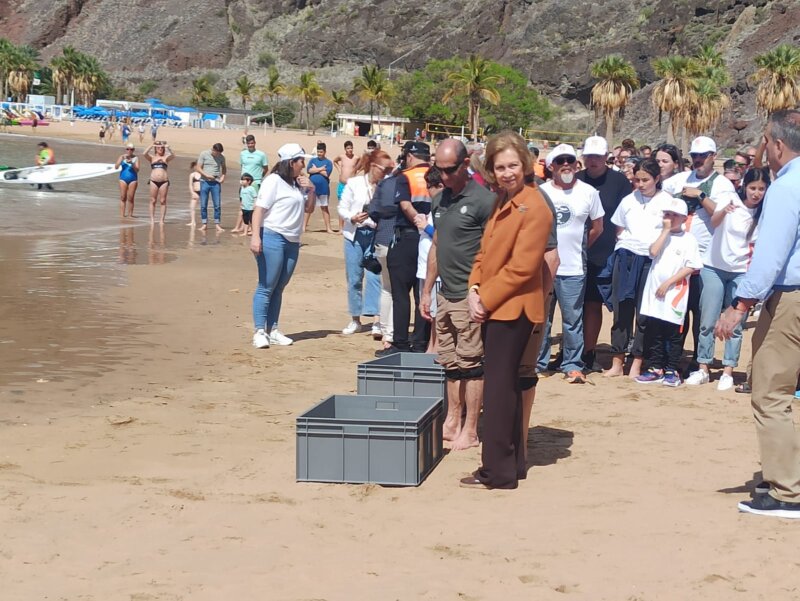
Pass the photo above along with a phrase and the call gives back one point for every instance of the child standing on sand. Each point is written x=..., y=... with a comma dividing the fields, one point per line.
x=666, y=295
x=247, y=196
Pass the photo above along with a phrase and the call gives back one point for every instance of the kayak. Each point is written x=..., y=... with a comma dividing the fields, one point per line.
x=52, y=174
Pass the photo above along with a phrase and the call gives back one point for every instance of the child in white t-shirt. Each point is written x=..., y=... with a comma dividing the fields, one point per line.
x=247, y=197
x=666, y=295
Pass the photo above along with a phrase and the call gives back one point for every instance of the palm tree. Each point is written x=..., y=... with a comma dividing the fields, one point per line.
x=708, y=56
x=244, y=88
x=20, y=72
x=90, y=78
x=476, y=82
x=708, y=104
x=673, y=94
x=777, y=75
x=309, y=92
x=611, y=94
x=6, y=59
x=339, y=98
x=274, y=89
x=201, y=91
x=373, y=86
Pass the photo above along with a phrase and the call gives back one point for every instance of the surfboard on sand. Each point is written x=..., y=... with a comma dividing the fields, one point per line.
x=53, y=174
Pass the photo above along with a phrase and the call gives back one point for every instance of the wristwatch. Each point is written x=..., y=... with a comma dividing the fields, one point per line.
x=738, y=304
x=702, y=196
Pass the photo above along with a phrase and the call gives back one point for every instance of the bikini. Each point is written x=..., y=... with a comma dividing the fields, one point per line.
x=159, y=165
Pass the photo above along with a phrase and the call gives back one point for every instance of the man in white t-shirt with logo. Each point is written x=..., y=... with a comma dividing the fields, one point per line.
x=702, y=189
x=576, y=203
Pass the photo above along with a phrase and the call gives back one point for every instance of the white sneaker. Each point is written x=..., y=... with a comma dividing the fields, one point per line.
x=697, y=377
x=275, y=337
x=725, y=382
x=260, y=339
x=376, y=331
x=351, y=328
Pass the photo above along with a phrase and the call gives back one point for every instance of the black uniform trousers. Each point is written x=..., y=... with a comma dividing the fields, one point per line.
x=402, y=263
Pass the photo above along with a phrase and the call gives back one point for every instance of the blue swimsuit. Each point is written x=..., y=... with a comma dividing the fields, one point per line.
x=128, y=174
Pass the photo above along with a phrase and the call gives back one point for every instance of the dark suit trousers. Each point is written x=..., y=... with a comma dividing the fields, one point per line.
x=402, y=263
x=503, y=453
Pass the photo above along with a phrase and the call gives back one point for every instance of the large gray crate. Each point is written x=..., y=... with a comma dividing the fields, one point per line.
x=402, y=374
x=358, y=439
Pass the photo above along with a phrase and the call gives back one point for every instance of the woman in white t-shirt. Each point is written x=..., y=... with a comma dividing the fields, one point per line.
x=724, y=264
x=358, y=230
x=639, y=219
x=285, y=195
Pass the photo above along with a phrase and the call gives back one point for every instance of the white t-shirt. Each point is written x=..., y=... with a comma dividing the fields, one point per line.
x=574, y=208
x=699, y=224
x=425, y=243
x=285, y=207
x=356, y=194
x=679, y=251
x=730, y=249
x=642, y=218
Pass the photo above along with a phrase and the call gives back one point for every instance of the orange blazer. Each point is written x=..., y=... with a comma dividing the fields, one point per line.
x=508, y=267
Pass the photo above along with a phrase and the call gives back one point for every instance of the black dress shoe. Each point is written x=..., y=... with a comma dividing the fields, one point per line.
x=472, y=481
x=389, y=350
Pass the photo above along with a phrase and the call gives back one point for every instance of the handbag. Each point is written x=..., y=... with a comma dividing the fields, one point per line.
x=369, y=261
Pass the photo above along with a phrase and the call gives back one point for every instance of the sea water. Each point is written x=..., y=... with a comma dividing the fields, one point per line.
x=61, y=251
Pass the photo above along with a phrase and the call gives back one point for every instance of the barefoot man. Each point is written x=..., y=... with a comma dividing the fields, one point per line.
x=460, y=214
x=347, y=164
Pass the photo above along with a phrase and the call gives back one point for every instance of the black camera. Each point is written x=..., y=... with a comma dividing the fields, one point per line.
x=371, y=264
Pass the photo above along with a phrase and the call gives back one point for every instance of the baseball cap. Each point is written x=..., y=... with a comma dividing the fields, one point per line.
x=676, y=205
x=291, y=151
x=417, y=148
x=131, y=146
x=595, y=145
x=560, y=150
x=703, y=144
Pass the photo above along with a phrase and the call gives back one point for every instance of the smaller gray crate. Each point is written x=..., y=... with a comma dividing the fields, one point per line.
x=402, y=374
x=358, y=439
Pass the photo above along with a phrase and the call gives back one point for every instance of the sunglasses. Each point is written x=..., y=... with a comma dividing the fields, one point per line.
x=738, y=164
x=450, y=170
x=564, y=160
x=383, y=169
x=699, y=155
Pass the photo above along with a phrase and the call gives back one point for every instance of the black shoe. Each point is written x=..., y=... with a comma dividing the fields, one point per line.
x=769, y=506
x=390, y=350
x=418, y=349
x=555, y=364
x=590, y=363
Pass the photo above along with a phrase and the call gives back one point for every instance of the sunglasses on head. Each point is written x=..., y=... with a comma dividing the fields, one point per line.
x=699, y=155
x=564, y=160
x=450, y=170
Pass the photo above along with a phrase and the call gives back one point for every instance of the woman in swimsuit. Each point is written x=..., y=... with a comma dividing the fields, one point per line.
x=194, y=192
x=128, y=179
x=159, y=179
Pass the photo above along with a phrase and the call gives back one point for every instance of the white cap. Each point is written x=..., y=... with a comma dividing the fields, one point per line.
x=291, y=151
x=595, y=145
x=560, y=150
x=676, y=205
x=703, y=144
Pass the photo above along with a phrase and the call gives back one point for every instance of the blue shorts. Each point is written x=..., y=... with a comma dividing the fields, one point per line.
x=339, y=190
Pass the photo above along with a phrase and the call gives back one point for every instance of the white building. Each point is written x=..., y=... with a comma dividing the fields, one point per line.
x=382, y=126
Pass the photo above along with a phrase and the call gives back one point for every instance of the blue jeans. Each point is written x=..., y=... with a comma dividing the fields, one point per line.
x=569, y=291
x=213, y=188
x=363, y=297
x=719, y=289
x=276, y=263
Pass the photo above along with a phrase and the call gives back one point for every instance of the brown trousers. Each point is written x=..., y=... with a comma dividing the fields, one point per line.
x=776, y=365
x=503, y=452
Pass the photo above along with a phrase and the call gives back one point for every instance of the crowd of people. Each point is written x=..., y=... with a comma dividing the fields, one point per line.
x=478, y=243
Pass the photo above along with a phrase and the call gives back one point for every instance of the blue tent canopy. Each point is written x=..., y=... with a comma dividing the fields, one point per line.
x=211, y=116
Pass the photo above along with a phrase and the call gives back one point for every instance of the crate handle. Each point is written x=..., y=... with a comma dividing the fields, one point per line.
x=386, y=405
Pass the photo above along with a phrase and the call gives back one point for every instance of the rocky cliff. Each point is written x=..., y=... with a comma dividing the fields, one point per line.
x=554, y=42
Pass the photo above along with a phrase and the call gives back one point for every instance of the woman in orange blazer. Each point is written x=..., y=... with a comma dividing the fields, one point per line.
x=506, y=295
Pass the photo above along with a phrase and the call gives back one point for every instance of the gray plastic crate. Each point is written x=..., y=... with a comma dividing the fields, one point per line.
x=358, y=439
x=402, y=374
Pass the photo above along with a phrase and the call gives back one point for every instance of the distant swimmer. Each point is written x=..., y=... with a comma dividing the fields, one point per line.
x=159, y=179
x=46, y=156
x=128, y=179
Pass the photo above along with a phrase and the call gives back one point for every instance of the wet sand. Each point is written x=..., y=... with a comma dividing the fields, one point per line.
x=164, y=470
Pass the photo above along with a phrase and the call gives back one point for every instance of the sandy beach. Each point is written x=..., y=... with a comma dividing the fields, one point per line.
x=164, y=468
